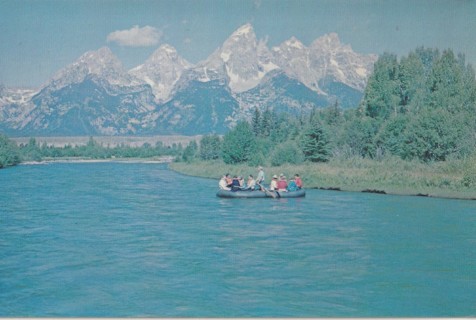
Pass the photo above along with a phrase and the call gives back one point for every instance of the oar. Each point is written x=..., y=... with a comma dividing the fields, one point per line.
x=269, y=193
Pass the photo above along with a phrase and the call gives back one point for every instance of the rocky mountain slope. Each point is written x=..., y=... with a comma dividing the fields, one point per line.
x=166, y=94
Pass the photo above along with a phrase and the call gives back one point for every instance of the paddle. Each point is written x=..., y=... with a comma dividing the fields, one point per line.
x=269, y=193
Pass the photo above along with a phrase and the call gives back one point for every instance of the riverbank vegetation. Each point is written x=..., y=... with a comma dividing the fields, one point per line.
x=12, y=154
x=414, y=132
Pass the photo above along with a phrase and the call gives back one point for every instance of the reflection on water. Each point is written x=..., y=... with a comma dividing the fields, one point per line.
x=115, y=239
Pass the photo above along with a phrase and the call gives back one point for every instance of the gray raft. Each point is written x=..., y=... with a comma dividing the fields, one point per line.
x=260, y=194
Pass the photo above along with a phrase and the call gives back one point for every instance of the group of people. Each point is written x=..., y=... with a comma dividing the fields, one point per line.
x=237, y=183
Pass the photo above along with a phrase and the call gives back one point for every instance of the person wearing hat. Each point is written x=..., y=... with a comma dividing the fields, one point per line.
x=260, y=177
x=274, y=183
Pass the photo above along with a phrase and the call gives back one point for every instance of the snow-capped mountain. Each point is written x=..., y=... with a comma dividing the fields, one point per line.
x=325, y=58
x=95, y=95
x=161, y=71
x=242, y=61
x=101, y=63
x=330, y=59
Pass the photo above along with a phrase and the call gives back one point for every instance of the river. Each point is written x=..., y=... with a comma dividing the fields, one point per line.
x=136, y=239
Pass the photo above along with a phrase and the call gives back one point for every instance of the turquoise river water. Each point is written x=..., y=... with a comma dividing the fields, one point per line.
x=136, y=239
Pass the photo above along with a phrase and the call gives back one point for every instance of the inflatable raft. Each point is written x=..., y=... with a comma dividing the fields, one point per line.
x=260, y=194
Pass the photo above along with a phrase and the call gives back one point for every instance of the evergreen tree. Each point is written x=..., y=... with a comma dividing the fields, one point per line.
x=266, y=123
x=315, y=143
x=333, y=115
x=256, y=122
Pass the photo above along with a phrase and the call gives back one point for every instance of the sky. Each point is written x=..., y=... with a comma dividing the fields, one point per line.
x=39, y=37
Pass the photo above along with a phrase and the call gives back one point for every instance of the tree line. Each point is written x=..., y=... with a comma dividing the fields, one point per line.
x=11, y=154
x=422, y=106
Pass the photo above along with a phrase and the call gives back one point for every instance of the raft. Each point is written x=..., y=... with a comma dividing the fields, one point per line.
x=260, y=194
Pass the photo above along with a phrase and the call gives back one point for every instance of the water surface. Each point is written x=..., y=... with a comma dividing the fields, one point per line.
x=117, y=239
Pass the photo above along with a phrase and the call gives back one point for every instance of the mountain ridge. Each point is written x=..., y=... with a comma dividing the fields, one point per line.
x=169, y=94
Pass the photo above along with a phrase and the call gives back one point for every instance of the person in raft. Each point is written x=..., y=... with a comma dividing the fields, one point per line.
x=298, y=181
x=229, y=180
x=282, y=183
x=292, y=186
x=274, y=183
x=251, y=183
x=235, y=184
x=260, y=178
x=223, y=185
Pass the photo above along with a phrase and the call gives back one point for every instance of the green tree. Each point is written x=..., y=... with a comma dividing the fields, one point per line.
x=9, y=152
x=360, y=136
x=239, y=144
x=412, y=83
x=32, y=151
x=256, y=122
x=333, y=115
x=381, y=96
x=267, y=123
x=436, y=134
x=190, y=151
x=391, y=137
x=315, y=143
x=210, y=147
x=446, y=83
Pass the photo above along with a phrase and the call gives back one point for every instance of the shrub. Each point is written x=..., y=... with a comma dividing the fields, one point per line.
x=287, y=152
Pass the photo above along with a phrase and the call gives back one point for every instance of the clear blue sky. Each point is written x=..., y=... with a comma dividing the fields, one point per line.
x=39, y=37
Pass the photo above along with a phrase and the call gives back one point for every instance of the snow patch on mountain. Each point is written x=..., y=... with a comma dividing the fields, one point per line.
x=161, y=71
x=101, y=63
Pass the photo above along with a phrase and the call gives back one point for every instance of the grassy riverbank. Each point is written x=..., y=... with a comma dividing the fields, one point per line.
x=450, y=179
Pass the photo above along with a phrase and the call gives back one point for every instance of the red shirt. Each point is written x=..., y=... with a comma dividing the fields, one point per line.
x=282, y=184
x=298, y=182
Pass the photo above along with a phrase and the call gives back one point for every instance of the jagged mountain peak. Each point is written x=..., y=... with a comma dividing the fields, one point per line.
x=293, y=42
x=241, y=61
x=330, y=38
x=101, y=63
x=246, y=29
x=165, y=51
x=330, y=43
x=336, y=61
x=161, y=71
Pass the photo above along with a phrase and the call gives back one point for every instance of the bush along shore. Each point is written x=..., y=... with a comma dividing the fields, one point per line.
x=451, y=179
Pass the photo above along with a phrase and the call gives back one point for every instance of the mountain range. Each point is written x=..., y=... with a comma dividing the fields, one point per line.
x=96, y=95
